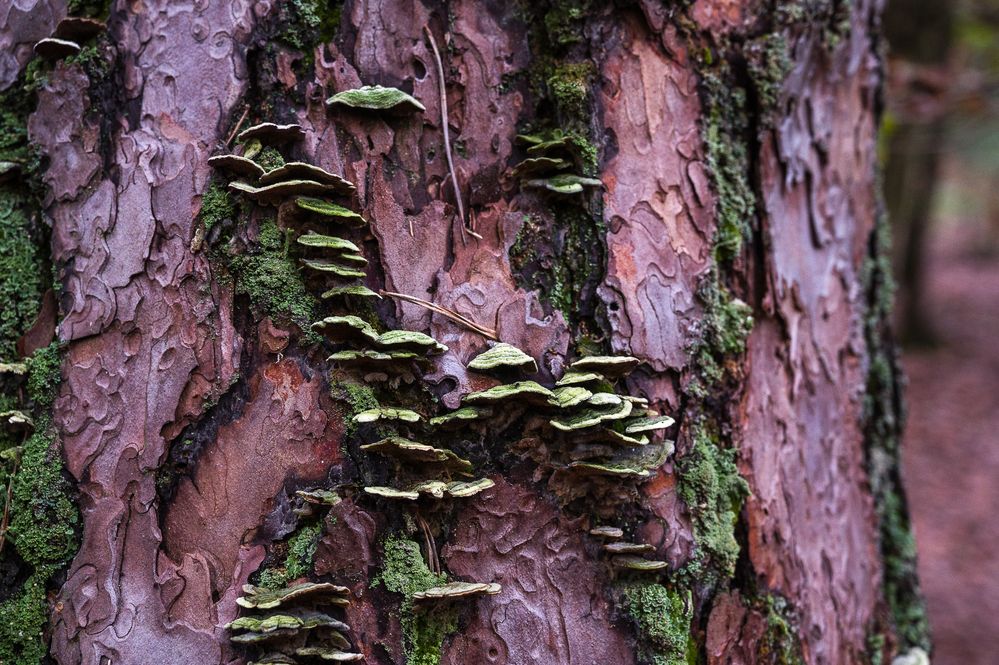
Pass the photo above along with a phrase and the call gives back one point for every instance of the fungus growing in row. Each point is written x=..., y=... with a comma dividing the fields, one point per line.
x=503, y=356
x=628, y=548
x=608, y=366
x=272, y=133
x=346, y=328
x=569, y=396
x=591, y=417
x=461, y=416
x=357, y=291
x=457, y=590
x=650, y=423
x=327, y=242
x=436, y=489
x=53, y=49
x=319, y=497
x=637, y=563
x=387, y=413
x=305, y=171
x=564, y=183
x=271, y=622
x=597, y=469
x=265, y=599
x=534, y=166
x=375, y=360
x=409, y=340
x=279, y=191
x=237, y=165
x=608, y=532
x=333, y=268
x=404, y=450
x=529, y=391
x=330, y=211
x=326, y=653
x=376, y=98
x=78, y=28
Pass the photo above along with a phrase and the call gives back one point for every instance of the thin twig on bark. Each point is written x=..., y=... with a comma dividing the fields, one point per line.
x=447, y=138
x=239, y=124
x=488, y=333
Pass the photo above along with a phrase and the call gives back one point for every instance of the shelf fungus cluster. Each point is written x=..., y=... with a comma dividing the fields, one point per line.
x=294, y=624
x=627, y=556
x=70, y=33
x=552, y=164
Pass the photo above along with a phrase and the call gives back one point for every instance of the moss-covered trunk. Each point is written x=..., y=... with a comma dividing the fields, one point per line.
x=691, y=185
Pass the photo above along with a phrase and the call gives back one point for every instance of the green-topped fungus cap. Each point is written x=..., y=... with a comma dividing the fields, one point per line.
x=331, y=211
x=591, y=417
x=272, y=133
x=619, y=438
x=456, y=590
x=387, y=413
x=328, y=653
x=8, y=170
x=279, y=191
x=538, y=165
x=637, y=563
x=272, y=636
x=333, y=268
x=16, y=421
x=357, y=291
x=326, y=242
x=78, y=28
x=266, y=599
x=237, y=165
x=564, y=183
x=305, y=171
x=409, y=340
x=16, y=369
x=459, y=489
x=375, y=359
x=273, y=659
x=53, y=49
x=392, y=493
x=403, y=449
x=629, y=548
x=611, y=366
x=596, y=469
x=605, y=399
x=608, y=532
x=272, y=622
x=346, y=328
x=503, y=356
x=376, y=98
x=580, y=378
x=319, y=497
x=462, y=415
x=521, y=390
x=569, y=396
x=650, y=424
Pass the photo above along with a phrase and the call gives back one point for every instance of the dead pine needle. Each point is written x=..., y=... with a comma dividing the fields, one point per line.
x=488, y=333
x=447, y=137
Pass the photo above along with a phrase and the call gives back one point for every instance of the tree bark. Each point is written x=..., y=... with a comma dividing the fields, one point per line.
x=733, y=248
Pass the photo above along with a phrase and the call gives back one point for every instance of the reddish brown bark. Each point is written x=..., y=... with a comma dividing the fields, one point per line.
x=154, y=337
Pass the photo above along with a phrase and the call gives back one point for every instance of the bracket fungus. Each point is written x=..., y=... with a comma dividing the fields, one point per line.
x=648, y=424
x=459, y=416
x=319, y=497
x=346, y=328
x=579, y=378
x=399, y=448
x=458, y=590
x=237, y=165
x=609, y=366
x=326, y=653
x=409, y=340
x=333, y=268
x=272, y=622
x=264, y=599
x=569, y=396
x=272, y=133
x=387, y=413
x=591, y=417
x=375, y=360
x=326, y=242
x=564, y=183
x=534, y=166
x=637, y=563
x=78, y=28
x=594, y=468
x=53, y=49
x=530, y=391
x=304, y=171
x=628, y=548
x=330, y=211
x=608, y=532
x=357, y=291
x=437, y=489
x=274, y=193
x=502, y=356
x=376, y=98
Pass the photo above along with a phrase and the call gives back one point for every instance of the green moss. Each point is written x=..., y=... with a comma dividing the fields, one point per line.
x=724, y=136
x=305, y=23
x=569, y=86
x=780, y=644
x=91, y=8
x=21, y=271
x=883, y=423
x=43, y=519
x=424, y=629
x=662, y=619
x=563, y=21
x=357, y=397
x=709, y=483
x=301, y=550
x=769, y=64
x=270, y=278
x=270, y=159
x=216, y=205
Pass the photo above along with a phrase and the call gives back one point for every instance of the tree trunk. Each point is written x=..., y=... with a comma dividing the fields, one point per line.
x=732, y=246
